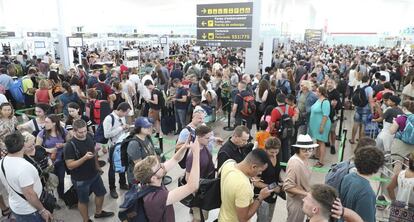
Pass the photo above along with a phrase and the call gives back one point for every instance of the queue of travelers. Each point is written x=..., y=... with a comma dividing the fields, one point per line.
x=86, y=113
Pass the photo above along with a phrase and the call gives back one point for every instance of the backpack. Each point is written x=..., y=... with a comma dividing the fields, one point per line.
x=337, y=172
x=286, y=128
x=132, y=209
x=161, y=99
x=123, y=151
x=99, y=136
x=360, y=97
x=407, y=135
x=16, y=90
x=102, y=95
x=99, y=109
x=282, y=87
x=117, y=159
x=249, y=106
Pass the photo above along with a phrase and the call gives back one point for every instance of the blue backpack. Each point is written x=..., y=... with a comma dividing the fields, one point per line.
x=120, y=154
x=407, y=135
x=132, y=209
x=337, y=172
x=99, y=134
x=16, y=90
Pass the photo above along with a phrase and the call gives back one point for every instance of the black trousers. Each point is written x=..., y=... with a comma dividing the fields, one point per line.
x=111, y=172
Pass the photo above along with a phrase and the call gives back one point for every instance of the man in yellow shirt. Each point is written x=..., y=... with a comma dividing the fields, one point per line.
x=28, y=87
x=237, y=203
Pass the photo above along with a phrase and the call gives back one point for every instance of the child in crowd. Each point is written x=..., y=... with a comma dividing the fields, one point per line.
x=262, y=135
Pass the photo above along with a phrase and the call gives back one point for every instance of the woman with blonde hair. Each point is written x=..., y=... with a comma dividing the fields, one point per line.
x=44, y=93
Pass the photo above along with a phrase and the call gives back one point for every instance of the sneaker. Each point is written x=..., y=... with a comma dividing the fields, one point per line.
x=113, y=194
x=333, y=151
x=104, y=214
x=123, y=187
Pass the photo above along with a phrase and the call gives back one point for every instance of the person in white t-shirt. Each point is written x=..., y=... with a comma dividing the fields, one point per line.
x=22, y=180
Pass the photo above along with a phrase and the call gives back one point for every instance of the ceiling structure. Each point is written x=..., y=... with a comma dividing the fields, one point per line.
x=180, y=15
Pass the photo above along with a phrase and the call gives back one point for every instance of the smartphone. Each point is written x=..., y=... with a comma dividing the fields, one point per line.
x=272, y=186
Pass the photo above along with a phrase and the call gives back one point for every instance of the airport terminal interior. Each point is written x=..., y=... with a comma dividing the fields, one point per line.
x=206, y=110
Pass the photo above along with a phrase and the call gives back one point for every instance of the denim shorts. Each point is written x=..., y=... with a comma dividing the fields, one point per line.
x=361, y=115
x=85, y=187
x=33, y=217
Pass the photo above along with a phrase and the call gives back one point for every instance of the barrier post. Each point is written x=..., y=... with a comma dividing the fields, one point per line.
x=342, y=145
x=228, y=127
x=341, y=118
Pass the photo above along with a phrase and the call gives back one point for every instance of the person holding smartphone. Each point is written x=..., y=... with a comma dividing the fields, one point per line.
x=269, y=178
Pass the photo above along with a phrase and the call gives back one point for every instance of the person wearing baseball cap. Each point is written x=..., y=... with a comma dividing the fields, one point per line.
x=140, y=145
x=297, y=181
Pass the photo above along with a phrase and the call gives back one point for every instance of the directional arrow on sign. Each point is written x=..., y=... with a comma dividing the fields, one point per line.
x=204, y=11
x=204, y=36
x=203, y=23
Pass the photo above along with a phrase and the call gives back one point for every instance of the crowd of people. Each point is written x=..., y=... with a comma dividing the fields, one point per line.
x=289, y=114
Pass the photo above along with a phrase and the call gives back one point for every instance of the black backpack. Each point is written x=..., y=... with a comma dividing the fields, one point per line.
x=124, y=149
x=132, y=209
x=360, y=97
x=161, y=99
x=286, y=128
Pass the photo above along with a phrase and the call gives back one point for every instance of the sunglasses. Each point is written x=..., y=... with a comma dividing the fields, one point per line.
x=155, y=172
x=309, y=150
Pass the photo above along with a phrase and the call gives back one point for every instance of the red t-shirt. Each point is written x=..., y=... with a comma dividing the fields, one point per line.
x=122, y=69
x=276, y=115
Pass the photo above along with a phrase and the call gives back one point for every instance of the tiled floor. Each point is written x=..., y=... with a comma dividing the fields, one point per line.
x=181, y=212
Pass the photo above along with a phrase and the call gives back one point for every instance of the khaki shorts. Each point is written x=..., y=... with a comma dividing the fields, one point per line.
x=197, y=215
x=154, y=114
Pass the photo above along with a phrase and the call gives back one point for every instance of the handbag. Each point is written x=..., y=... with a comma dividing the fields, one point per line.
x=70, y=197
x=46, y=198
x=207, y=197
x=401, y=212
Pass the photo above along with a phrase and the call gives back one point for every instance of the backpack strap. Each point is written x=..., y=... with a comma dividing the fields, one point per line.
x=112, y=119
x=36, y=125
x=77, y=154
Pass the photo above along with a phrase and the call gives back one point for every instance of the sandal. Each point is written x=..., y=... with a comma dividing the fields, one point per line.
x=6, y=212
x=351, y=141
x=318, y=164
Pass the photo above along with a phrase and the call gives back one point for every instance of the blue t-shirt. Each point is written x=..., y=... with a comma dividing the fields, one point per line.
x=356, y=194
x=66, y=98
x=6, y=81
x=181, y=92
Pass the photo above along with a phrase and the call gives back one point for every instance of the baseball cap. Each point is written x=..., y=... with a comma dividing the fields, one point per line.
x=143, y=122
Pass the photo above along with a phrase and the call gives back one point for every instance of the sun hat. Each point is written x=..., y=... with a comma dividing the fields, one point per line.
x=305, y=141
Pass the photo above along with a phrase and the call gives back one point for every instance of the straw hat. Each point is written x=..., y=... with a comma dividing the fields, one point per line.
x=305, y=141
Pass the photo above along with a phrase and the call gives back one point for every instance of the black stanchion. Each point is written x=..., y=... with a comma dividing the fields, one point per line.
x=343, y=145
x=166, y=179
x=341, y=119
x=228, y=127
